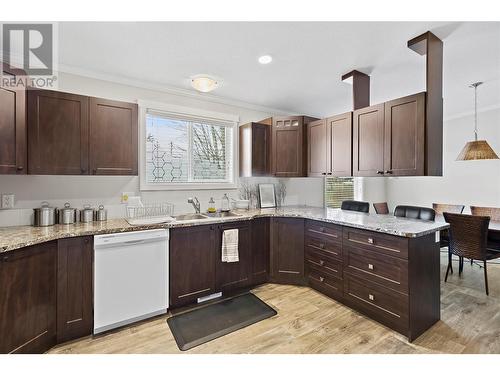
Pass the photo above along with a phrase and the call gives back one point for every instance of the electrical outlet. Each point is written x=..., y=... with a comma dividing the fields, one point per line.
x=125, y=195
x=8, y=200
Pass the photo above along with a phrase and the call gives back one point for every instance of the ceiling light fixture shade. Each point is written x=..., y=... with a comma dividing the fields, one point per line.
x=265, y=59
x=476, y=150
x=204, y=83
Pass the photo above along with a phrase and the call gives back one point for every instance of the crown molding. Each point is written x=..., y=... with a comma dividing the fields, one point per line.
x=168, y=89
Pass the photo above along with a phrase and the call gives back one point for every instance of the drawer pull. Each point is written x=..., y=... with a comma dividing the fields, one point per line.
x=321, y=278
x=321, y=229
x=321, y=245
x=370, y=266
x=371, y=297
x=370, y=240
x=321, y=262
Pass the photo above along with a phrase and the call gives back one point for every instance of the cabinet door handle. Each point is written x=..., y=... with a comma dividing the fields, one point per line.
x=321, y=229
x=321, y=245
x=329, y=173
x=370, y=240
x=388, y=172
x=20, y=168
x=370, y=266
x=323, y=173
x=371, y=297
x=321, y=279
x=380, y=172
x=321, y=262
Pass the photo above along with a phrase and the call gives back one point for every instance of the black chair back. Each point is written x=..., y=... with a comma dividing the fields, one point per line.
x=415, y=212
x=355, y=206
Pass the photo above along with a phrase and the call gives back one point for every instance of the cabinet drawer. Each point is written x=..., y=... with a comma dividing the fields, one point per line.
x=327, y=248
x=324, y=231
x=383, y=305
x=325, y=283
x=381, y=243
x=324, y=264
x=385, y=270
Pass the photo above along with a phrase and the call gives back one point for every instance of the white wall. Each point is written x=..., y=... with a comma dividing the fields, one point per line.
x=106, y=190
x=463, y=182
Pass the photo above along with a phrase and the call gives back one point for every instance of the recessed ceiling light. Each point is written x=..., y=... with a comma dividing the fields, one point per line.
x=265, y=59
x=204, y=83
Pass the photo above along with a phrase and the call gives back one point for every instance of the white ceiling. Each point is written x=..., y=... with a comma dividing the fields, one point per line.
x=309, y=58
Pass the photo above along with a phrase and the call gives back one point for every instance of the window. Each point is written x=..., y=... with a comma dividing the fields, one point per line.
x=186, y=151
x=338, y=189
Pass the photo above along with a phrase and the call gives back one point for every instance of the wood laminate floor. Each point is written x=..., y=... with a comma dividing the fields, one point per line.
x=308, y=322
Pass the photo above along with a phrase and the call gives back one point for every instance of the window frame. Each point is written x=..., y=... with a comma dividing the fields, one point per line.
x=177, y=110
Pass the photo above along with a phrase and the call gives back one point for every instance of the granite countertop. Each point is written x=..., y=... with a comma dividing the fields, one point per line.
x=20, y=236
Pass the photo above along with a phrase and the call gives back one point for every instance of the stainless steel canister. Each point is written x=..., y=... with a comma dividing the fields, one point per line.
x=101, y=214
x=67, y=215
x=87, y=214
x=44, y=215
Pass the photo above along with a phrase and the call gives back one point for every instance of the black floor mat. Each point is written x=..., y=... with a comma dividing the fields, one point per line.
x=197, y=327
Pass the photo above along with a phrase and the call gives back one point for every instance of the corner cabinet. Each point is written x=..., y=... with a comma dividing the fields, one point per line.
x=12, y=125
x=289, y=146
x=113, y=137
x=255, y=149
x=72, y=134
x=287, y=251
x=389, y=138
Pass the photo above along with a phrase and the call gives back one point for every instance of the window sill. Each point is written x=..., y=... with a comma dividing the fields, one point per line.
x=190, y=186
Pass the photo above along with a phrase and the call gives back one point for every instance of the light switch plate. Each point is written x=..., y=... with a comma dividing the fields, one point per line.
x=8, y=201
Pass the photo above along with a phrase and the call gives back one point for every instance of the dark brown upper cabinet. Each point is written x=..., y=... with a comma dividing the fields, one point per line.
x=255, y=149
x=317, y=149
x=58, y=133
x=74, y=288
x=368, y=141
x=404, y=143
x=289, y=146
x=113, y=137
x=339, y=145
x=72, y=134
x=12, y=124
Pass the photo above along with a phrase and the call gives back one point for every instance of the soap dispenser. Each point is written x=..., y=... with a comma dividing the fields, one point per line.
x=224, y=205
x=211, y=206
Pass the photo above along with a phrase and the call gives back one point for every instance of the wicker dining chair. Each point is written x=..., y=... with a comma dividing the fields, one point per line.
x=492, y=212
x=381, y=208
x=469, y=239
x=440, y=209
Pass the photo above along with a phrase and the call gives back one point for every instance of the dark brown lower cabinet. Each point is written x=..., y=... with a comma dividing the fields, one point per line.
x=192, y=263
x=74, y=288
x=393, y=280
x=234, y=275
x=287, y=251
x=28, y=299
x=260, y=250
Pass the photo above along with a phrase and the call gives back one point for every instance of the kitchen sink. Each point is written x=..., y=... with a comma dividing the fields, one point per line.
x=224, y=214
x=190, y=217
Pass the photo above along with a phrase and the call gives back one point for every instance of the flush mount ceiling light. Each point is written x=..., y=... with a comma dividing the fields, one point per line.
x=476, y=150
x=204, y=83
x=265, y=59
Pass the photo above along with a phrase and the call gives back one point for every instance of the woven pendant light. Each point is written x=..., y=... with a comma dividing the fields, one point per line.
x=476, y=150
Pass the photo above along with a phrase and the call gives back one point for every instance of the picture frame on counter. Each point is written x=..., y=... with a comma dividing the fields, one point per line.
x=267, y=196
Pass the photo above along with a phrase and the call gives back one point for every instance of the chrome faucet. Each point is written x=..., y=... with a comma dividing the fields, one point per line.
x=196, y=204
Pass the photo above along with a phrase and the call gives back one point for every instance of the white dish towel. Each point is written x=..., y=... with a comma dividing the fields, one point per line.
x=230, y=246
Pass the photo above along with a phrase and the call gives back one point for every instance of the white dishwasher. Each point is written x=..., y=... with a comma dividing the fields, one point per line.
x=130, y=277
